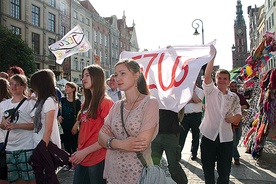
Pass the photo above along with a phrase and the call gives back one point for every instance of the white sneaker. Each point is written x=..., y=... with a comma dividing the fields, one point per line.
x=72, y=169
x=66, y=168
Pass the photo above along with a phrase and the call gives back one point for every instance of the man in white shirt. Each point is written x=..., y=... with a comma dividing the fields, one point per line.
x=113, y=92
x=191, y=120
x=222, y=109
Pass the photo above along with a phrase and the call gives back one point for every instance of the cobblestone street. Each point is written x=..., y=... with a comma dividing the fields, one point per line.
x=251, y=171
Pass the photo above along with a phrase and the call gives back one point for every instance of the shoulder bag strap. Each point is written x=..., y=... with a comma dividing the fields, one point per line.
x=139, y=154
x=8, y=132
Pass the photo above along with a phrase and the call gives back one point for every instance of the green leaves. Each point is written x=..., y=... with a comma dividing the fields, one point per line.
x=15, y=52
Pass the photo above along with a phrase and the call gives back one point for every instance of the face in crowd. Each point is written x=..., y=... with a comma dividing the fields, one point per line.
x=113, y=83
x=233, y=87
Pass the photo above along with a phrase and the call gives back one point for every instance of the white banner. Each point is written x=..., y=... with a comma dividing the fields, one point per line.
x=73, y=42
x=172, y=72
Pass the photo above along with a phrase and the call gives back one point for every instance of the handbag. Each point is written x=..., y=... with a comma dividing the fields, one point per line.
x=150, y=174
x=3, y=164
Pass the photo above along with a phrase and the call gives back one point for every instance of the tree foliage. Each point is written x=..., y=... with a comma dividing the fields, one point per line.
x=15, y=52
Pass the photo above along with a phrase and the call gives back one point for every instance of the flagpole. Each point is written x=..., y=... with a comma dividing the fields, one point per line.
x=56, y=39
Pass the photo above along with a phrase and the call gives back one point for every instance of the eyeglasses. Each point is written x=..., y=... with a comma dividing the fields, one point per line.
x=15, y=84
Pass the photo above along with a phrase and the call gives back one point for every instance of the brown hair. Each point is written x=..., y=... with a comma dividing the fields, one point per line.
x=223, y=71
x=4, y=75
x=46, y=88
x=4, y=89
x=92, y=100
x=16, y=70
x=134, y=67
x=22, y=80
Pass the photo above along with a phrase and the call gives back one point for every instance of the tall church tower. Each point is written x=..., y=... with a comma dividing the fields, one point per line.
x=239, y=49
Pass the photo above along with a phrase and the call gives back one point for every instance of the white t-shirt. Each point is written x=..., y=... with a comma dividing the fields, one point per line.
x=114, y=94
x=2, y=132
x=20, y=139
x=195, y=107
x=49, y=105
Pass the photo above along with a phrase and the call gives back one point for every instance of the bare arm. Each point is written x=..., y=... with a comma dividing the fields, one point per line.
x=23, y=126
x=195, y=98
x=235, y=120
x=209, y=69
x=49, y=120
x=6, y=125
x=131, y=144
x=78, y=156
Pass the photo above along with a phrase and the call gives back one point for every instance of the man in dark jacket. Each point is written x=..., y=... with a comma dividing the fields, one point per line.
x=168, y=140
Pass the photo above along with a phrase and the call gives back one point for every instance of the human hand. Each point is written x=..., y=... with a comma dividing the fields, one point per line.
x=60, y=119
x=74, y=130
x=107, y=130
x=77, y=157
x=9, y=126
x=136, y=144
x=235, y=120
x=5, y=123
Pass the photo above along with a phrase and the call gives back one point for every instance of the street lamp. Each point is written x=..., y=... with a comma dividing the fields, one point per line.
x=195, y=25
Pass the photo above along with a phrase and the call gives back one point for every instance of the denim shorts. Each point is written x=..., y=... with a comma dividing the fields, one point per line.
x=18, y=166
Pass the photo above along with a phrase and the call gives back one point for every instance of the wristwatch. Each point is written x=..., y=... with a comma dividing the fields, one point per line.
x=108, y=142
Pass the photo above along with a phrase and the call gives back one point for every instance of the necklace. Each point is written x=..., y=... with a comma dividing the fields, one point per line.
x=132, y=106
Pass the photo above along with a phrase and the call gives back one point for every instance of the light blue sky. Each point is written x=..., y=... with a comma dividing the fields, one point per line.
x=162, y=23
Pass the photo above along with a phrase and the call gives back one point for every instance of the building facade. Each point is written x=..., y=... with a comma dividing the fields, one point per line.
x=38, y=23
x=264, y=18
x=239, y=49
x=42, y=22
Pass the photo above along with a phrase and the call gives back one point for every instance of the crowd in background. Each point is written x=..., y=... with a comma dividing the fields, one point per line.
x=103, y=124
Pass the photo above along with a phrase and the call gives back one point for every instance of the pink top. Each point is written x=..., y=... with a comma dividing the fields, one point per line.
x=125, y=167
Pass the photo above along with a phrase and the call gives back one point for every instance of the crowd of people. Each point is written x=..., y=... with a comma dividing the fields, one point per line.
x=117, y=118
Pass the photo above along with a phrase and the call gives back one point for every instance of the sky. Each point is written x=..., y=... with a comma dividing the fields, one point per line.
x=162, y=23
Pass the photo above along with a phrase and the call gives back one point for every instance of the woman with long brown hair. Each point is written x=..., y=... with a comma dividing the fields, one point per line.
x=89, y=159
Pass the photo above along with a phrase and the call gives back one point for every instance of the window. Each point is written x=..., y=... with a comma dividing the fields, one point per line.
x=101, y=38
x=35, y=15
x=87, y=35
x=52, y=3
x=75, y=65
x=101, y=56
x=75, y=14
x=106, y=58
x=15, y=9
x=87, y=21
x=63, y=8
x=62, y=30
x=51, y=22
x=272, y=19
x=50, y=42
x=81, y=18
x=81, y=65
x=95, y=36
x=35, y=43
x=16, y=30
x=87, y=54
x=106, y=40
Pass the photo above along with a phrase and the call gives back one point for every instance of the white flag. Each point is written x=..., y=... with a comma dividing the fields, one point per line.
x=73, y=42
x=171, y=72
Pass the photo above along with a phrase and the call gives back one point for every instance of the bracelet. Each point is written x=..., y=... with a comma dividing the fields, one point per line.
x=108, y=142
